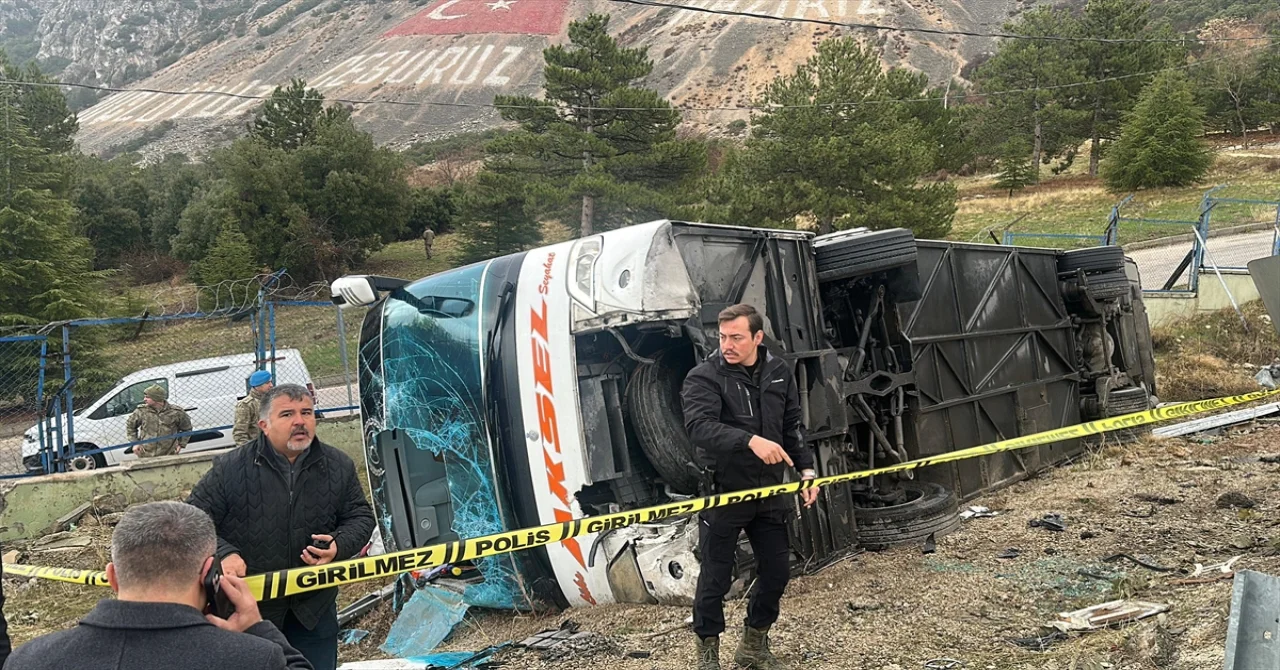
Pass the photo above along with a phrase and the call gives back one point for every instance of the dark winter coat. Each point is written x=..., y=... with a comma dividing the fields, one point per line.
x=724, y=407
x=257, y=515
x=120, y=635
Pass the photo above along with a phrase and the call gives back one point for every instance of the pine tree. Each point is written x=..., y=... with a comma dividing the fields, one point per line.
x=495, y=220
x=223, y=271
x=292, y=117
x=819, y=158
x=1108, y=68
x=596, y=148
x=46, y=270
x=1035, y=111
x=1160, y=144
x=1016, y=170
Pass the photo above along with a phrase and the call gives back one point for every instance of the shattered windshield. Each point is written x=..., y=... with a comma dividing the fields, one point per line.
x=434, y=338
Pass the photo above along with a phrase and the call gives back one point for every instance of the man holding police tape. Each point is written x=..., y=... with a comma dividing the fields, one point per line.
x=742, y=412
x=287, y=500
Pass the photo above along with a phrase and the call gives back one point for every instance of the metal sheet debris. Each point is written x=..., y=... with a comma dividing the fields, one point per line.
x=978, y=512
x=1106, y=614
x=1253, y=636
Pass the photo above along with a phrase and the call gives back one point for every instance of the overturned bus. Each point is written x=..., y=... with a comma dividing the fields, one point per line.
x=543, y=386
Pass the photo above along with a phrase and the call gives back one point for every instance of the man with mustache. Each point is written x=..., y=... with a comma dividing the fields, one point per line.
x=284, y=500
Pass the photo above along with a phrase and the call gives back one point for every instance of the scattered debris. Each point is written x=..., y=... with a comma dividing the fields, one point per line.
x=1237, y=500
x=1137, y=561
x=353, y=636
x=1041, y=643
x=1106, y=614
x=1051, y=522
x=109, y=503
x=583, y=645
x=1153, y=645
x=1159, y=500
x=1087, y=535
x=639, y=654
x=978, y=512
x=862, y=607
x=60, y=542
x=68, y=520
x=944, y=664
x=112, y=518
x=362, y=606
x=1009, y=553
x=546, y=639
x=1243, y=542
x=11, y=557
x=426, y=620
x=1270, y=458
x=1150, y=512
x=930, y=545
x=1226, y=567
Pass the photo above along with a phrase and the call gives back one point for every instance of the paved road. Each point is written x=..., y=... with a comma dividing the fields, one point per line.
x=336, y=396
x=1227, y=251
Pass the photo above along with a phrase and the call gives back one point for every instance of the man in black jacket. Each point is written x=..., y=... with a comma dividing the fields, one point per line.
x=742, y=412
x=160, y=553
x=284, y=500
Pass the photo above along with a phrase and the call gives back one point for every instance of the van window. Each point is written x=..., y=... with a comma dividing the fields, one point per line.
x=126, y=400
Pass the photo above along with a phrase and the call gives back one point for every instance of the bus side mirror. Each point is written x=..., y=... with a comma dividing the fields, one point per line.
x=361, y=290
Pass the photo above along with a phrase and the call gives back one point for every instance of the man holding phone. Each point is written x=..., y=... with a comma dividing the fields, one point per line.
x=161, y=556
x=284, y=500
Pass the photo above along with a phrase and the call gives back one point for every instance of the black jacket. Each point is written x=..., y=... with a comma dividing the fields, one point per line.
x=120, y=635
x=724, y=407
x=248, y=497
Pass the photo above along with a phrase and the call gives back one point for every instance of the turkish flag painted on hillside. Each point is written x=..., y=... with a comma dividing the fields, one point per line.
x=477, y=17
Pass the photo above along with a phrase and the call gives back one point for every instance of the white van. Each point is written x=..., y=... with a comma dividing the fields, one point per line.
x=207, y=389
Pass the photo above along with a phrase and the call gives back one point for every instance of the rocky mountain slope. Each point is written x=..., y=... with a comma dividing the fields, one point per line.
x=445, y=58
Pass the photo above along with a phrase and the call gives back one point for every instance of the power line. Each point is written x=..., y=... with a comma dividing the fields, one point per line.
x=935, y=31
x=740, y=108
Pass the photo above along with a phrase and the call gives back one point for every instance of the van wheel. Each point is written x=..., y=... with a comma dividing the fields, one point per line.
x=1108, y=286
x=851, y=254
x=930, y=509
x=78, y=462
x=653, y=401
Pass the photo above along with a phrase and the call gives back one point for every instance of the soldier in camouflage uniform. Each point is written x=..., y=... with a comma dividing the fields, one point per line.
x=245, y=428
x=428, y=239
x=155, y=417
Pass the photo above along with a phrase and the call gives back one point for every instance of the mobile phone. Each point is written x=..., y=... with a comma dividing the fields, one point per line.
x=217, y=602
x=320, y=544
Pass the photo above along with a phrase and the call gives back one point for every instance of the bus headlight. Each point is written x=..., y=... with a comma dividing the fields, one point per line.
x=582, y=265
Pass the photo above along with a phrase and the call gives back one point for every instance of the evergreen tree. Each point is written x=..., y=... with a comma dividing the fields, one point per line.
x=816, y=156
x=46, y=270
x=1160, y=144
x=317, y=199
x=43, y=108
x=231, y=259
x=1016, y=170
x=495, y=220
x=293, y=116
x=597, y=148
x=1108, y=66
x=1034, y=112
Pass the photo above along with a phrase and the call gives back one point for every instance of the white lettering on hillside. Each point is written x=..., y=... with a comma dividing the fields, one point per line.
x=454, y=68
x=828, y=10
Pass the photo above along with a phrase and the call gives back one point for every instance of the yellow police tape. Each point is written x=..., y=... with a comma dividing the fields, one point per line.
x=311, y=578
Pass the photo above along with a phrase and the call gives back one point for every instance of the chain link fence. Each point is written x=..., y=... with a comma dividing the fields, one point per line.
x=93, y=393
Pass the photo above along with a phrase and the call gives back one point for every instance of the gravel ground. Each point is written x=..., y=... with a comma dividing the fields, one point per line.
x=899, y=609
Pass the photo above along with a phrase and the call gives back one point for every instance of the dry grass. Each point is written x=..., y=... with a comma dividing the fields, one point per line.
x=1212, y=355
x=1075, y=203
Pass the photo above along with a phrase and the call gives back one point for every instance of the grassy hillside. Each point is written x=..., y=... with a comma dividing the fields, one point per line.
x=1074, y=203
